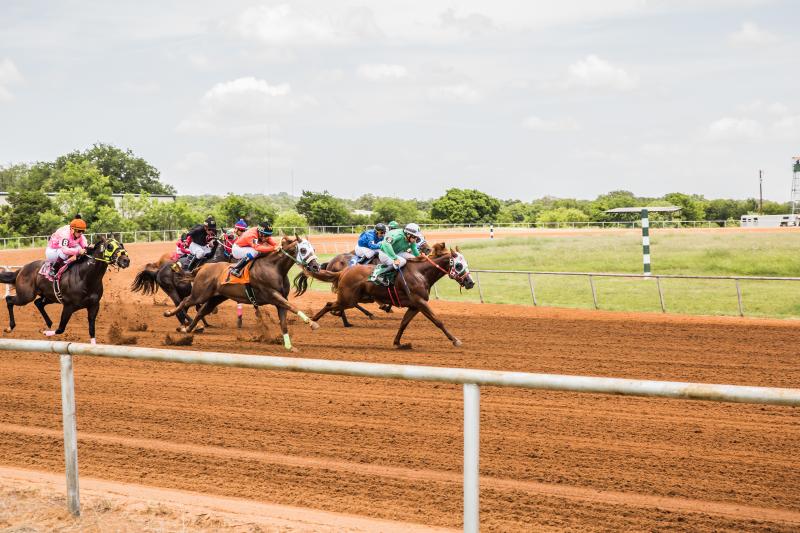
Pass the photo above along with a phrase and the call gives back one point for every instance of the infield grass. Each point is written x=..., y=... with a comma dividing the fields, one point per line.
x=686, y=253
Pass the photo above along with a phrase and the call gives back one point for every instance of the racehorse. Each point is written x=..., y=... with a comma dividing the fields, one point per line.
x=269, y=285
x=342, y=261
x=411, y=288
x=174, y=284
x=81, y=285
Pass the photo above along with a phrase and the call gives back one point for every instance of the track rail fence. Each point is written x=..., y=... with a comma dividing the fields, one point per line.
x=33, y=241
x=470, y=379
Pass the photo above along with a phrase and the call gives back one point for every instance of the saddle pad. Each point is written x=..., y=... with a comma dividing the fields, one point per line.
x=225, y=278
x=45, y=270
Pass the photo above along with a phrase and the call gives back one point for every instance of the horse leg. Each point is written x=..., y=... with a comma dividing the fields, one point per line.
x=365, y=311
x=182, y=317
x=411, y=312
x=92, y=310
x=40, y=303
x=66, y=314
x=428, y=312
x=186, y=302
x=209, y=306
x=21, y=298
x=324, y=311
x=203, y=320
x=279, y=301
x=287, y=342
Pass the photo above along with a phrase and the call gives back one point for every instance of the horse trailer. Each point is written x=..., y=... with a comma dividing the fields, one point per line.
x=769, y=221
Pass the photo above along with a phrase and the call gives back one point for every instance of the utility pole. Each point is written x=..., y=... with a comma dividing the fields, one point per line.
x=760, y=194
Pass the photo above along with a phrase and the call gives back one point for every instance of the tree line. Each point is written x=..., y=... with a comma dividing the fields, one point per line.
x=84, y=181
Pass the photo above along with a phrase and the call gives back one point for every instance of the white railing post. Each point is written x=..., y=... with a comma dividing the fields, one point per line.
x=472, y=422
x=70, y=434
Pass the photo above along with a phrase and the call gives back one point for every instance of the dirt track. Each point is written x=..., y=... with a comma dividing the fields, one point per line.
x=392, y=450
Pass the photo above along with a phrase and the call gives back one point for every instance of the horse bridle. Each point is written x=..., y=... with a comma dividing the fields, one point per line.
x=302, y=263
x=452, y=274
x=112, y=251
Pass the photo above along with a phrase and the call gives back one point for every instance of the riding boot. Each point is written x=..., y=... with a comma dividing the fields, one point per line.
x=354, y=260
x=55, y=267
x=193, y=263
x=236, y=270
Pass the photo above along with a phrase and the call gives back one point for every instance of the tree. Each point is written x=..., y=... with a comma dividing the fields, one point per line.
x=24, y=212
x=233, y=207
x=291, y=221
x=563, y=214
x=465, y=206
x=322, y=209
x=10, y=176
x=403, y=211
x=84, y=190
x=126, y=171
x=693, y=207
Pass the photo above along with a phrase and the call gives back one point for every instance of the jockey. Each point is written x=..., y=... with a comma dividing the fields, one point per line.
x=253, y=242
x=393, y=252
x=232, y=235
x=369, y=242
x=182, y=246
x=67, y=242
x=201, y=235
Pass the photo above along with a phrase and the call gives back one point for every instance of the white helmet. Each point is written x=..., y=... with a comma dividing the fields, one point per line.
x=413, y=229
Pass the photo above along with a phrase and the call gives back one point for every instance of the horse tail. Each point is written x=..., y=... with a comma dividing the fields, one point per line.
x=9, y=277
x=146, y=281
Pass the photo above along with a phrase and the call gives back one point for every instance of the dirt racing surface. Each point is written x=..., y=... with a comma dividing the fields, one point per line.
x=390, y=450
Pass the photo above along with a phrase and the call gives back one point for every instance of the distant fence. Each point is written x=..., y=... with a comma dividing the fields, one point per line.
x=161, y=235
x=471, y=379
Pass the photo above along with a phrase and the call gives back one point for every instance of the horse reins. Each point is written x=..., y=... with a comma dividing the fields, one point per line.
x=451, y=274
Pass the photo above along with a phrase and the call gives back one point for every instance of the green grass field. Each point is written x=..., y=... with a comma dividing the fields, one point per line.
x=712, y=254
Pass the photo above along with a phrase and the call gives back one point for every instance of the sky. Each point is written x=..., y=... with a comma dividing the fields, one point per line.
x=519, y=99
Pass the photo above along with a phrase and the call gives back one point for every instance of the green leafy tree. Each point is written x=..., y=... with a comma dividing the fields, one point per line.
x=109, y=219
x=465, y=206
x=254, y=211
x=563, y=214
x=322, y=209
x=126, y=171
x=291, y=221
x=10, y=176
x=403, y=211
x=23, y=214
x=693, y=207
x=84, y=190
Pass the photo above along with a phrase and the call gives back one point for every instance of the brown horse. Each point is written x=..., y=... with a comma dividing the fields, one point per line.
x=411, y=288
x=268, y=279
x=174, y=284
x=342, y=261
x=81, y=285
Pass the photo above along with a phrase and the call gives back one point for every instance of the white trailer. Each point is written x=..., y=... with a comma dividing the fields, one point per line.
x=770, y=221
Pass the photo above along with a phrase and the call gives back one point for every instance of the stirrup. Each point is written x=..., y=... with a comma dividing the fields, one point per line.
x=236, y=273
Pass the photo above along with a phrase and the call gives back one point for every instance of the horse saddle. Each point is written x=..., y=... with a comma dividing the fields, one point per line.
x=383, y=276
x=226, y=278
x=47, y=267
x=359, y=260
x=184, y=261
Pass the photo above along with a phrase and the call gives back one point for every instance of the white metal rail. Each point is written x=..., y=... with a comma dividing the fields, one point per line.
x=470, y=379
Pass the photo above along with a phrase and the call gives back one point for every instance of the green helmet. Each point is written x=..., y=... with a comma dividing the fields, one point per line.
x=393, y=224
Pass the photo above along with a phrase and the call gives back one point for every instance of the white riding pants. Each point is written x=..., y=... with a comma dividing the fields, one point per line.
x=363, y=251
x=388, y=261
x=239, y=252
x=51, y=254
x=199, y=251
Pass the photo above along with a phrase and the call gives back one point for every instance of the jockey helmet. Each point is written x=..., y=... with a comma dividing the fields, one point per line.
x=413, y=230
x=211, y=223
x=265, y=228
x=380, y=227
x=393, y=224
x=78, y=223
x=240, y=224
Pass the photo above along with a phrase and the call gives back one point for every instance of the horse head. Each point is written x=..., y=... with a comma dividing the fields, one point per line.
x=110, y=251
x=301, y=251
x=459, y=269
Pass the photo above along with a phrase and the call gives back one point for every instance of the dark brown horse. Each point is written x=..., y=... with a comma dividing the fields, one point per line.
x=342, y=261
x=174, y=284
x=411, y=288
x=81, y=285
x=268, y=279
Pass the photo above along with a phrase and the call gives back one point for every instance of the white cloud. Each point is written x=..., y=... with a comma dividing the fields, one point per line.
x=594, y=72
x=471, y=24
x=381, y=72
x=734, y=129
x=191, y=161
x=281, y=25
x=9, y=75
x=539, y=124
x=787, y=128
x=752, y=34
x=461, y=92
x=759, y=106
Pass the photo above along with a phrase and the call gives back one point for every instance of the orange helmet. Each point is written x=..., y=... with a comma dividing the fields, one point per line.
x=78, y=223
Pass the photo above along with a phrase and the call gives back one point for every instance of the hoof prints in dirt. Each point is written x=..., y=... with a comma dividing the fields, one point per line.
x=140, y=326
x=178, y=340
x=115, y=335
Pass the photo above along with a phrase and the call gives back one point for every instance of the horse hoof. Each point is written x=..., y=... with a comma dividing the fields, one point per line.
x=371, y=317
x=8, y=330
x=167, y=314
x=49, y=333
x=183, y=329
x=314, y=326
x=457, y=343
x=406, y=346
x=199, y=329
x=93, y=341
x=293, y=350
x=348, y=325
